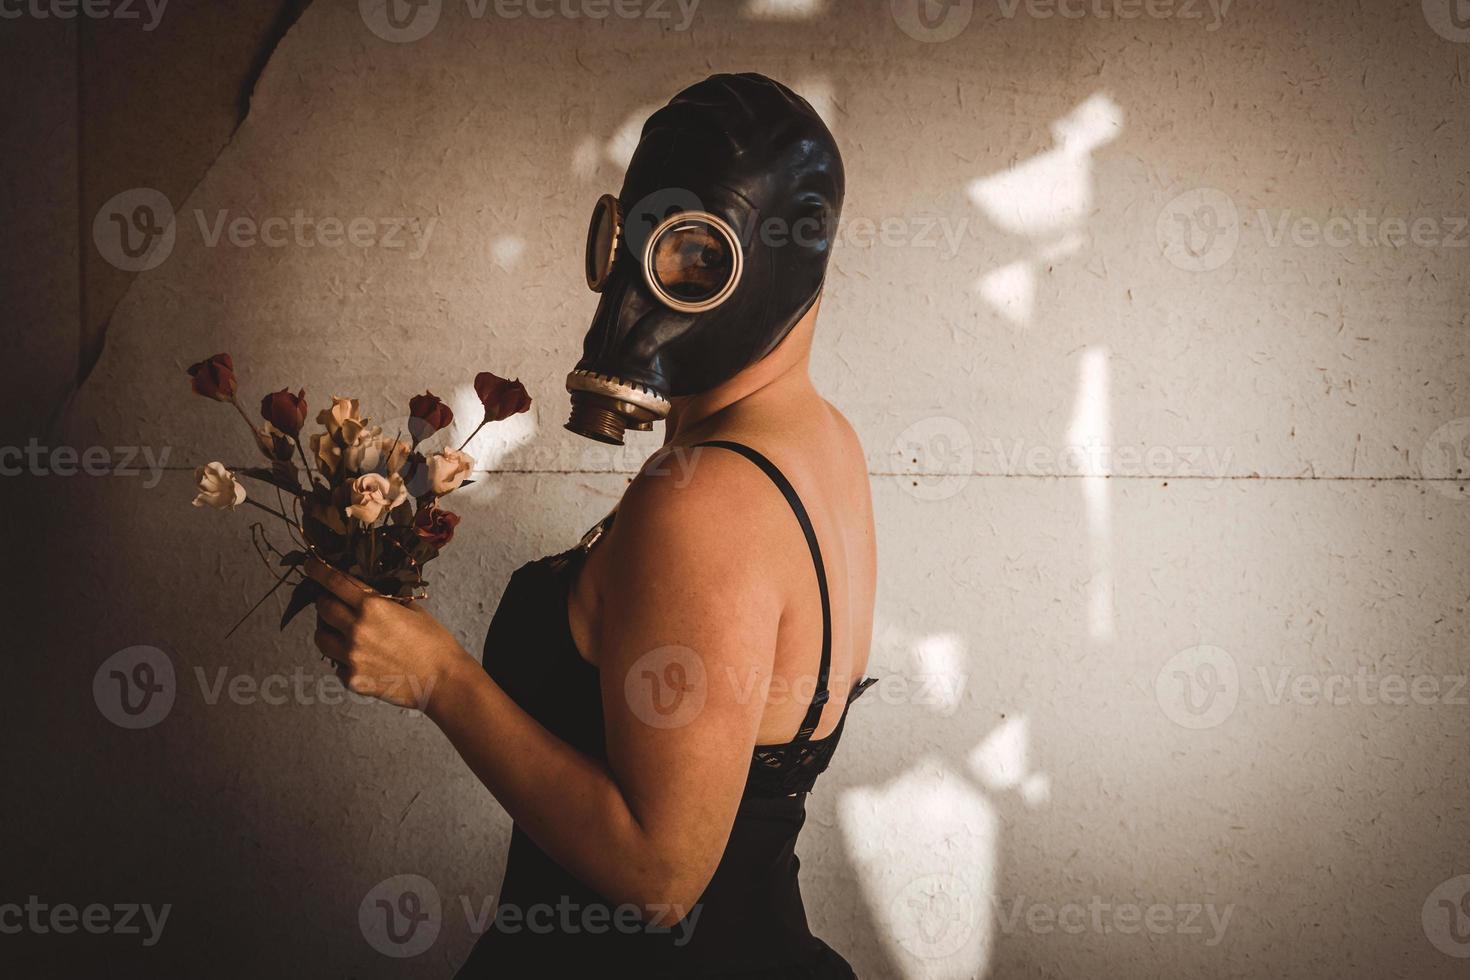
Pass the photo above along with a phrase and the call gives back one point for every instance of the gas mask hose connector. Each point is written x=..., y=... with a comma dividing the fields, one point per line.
x=596, y=421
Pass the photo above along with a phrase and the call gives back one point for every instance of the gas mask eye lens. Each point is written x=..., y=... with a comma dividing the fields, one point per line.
x=692, y=261
x=602, y=241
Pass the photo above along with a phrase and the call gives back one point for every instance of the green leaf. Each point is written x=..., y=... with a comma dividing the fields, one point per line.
x=305, y=594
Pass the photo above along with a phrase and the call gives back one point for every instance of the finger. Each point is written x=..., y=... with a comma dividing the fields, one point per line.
x=335, y=613
x=343, y=586
x=333, y=645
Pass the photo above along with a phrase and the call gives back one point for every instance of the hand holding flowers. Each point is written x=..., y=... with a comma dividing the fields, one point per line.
x=363, y=502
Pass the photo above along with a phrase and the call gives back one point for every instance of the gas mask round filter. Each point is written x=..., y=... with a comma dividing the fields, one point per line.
x=687, y=301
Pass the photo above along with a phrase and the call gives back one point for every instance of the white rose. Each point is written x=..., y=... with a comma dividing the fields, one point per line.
x=373, y=494
x=448, y=469
x=218, y=487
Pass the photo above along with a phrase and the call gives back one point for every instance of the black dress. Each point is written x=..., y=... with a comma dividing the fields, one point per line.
x=750, y=921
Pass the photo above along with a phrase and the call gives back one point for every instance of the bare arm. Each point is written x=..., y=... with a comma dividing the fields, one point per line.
x=693, y=614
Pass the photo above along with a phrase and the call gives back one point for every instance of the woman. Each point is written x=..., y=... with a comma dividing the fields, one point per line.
x=654, y=704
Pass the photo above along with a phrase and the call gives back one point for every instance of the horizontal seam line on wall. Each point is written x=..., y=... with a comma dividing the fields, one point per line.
x=1009, y=476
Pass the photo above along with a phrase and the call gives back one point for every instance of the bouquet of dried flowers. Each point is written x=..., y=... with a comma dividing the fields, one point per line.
x=365, y=502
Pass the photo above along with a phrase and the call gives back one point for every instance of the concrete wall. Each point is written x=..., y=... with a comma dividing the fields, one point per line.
x=1172, y=610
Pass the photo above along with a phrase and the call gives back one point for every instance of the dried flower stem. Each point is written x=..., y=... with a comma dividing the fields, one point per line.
x=270, y=510
x=482, y=425
x=310, y=475
x=279, y=582
x=248, y=424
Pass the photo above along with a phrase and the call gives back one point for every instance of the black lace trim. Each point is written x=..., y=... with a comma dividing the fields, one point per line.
x=793, y=768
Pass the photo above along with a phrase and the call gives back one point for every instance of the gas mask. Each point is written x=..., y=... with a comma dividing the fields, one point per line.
x=715, y=248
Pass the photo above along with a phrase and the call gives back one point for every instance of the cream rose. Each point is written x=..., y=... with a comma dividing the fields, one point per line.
x=373, y=494
x=218, y=487
x=341, y=412
x=448, y=468
x=364, y=447
x=327, y=453
x=393, y=453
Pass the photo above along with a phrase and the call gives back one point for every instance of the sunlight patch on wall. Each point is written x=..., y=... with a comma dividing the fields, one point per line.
x=496, y=440
x=818, y=90
x=1046, y=200
x=1052, y=191
x=1088, y=439
x=585, y=158
x=507, y=250
x=620, y=146
x=939, y=666
x=1001, y=762
x=925, y=850
x=1011, y=291
x=789, y=10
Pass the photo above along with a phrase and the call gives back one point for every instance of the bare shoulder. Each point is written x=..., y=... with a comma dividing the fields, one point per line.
x=705, y=511
x=853, y=459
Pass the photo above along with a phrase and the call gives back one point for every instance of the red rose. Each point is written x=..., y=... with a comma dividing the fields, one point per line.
x=501, y=398
x=427, y=415
x=214, y=378
x=285, y=411
x=435, y=526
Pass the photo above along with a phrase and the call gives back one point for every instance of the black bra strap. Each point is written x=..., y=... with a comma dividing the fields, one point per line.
x=820, y=696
